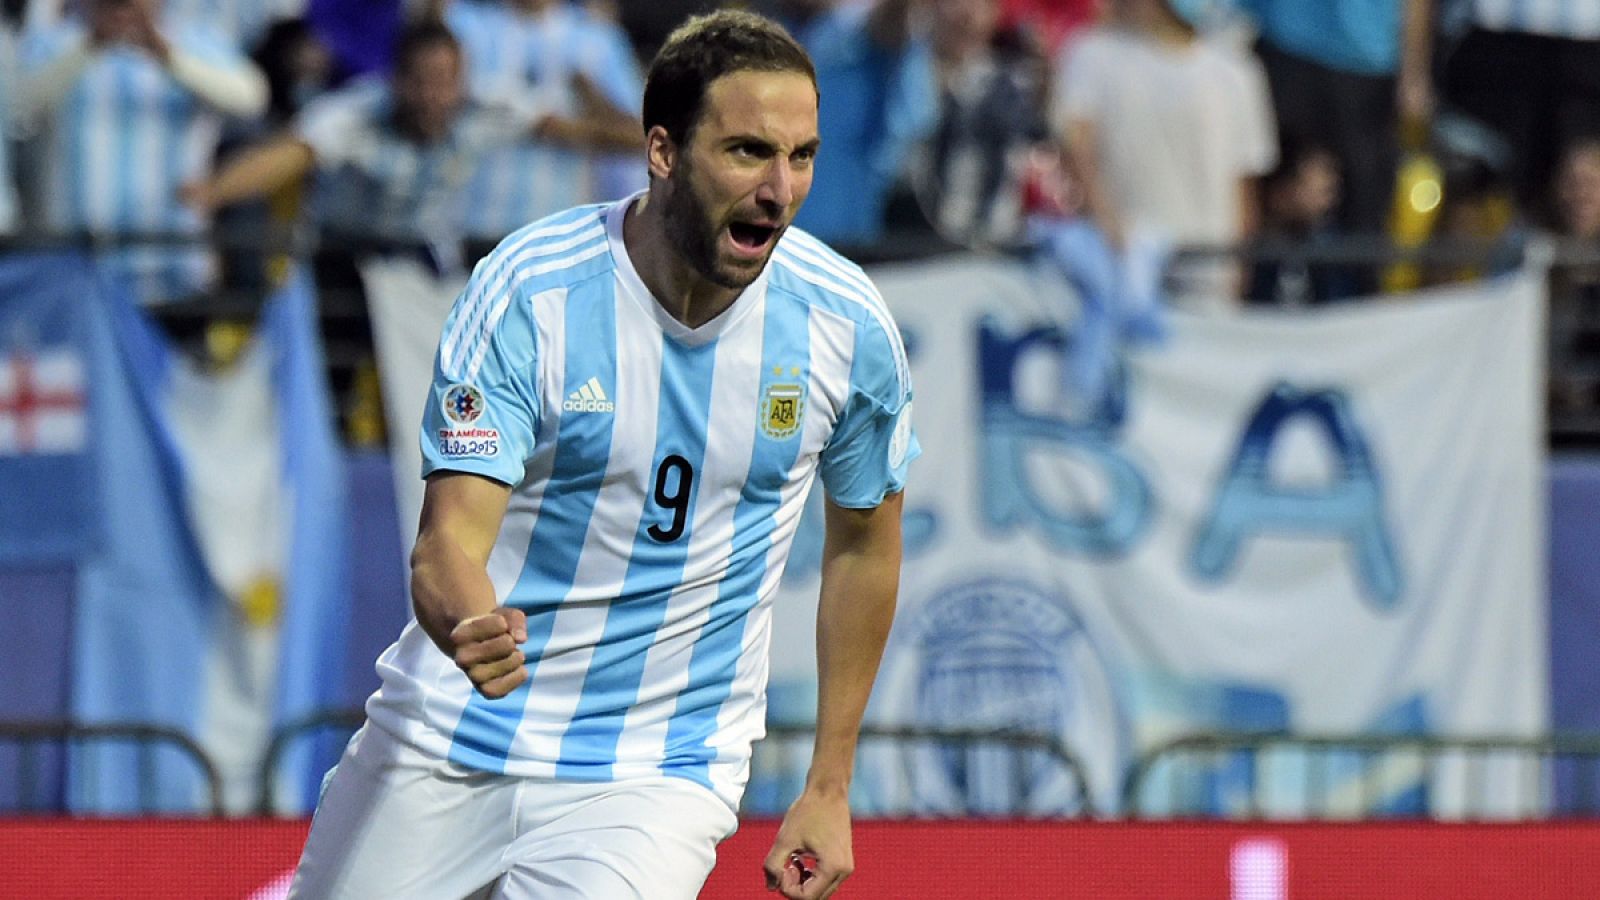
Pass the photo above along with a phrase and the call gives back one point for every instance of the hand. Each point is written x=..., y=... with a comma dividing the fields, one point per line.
x=145, y=34
x=1414, y=96
x=198, y=196
x=811, y=856
x=487, y=649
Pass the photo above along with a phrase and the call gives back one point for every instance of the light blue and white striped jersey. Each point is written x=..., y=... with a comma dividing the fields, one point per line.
x=119, y=146
x=374, y=180
x=8, y=193
x=1575, y=19
x=659, y=475
x=509, y=55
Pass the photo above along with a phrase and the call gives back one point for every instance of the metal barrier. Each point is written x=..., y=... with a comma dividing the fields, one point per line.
x=1275, y=775
x=934, y=772
x=1027, y=752
x=343, y=721
x=30, y=739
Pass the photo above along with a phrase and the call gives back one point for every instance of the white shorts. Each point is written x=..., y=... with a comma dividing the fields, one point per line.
x=396, y=823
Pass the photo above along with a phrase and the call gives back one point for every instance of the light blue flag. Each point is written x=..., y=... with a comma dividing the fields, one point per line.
x=215, y=606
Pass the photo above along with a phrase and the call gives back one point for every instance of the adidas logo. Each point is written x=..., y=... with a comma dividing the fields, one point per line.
x=589, y=398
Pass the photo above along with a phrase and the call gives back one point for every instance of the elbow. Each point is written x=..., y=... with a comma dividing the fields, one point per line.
x=253, y=96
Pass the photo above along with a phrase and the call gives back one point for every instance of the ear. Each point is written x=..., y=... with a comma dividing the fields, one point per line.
x=661, y=151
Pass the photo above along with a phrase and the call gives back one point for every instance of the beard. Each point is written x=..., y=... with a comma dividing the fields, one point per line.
x=696, y=238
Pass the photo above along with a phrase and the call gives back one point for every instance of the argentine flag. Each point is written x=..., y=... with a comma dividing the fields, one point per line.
x=215, y=605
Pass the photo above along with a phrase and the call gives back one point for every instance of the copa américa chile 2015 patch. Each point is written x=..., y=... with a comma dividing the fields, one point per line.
x=463, y=405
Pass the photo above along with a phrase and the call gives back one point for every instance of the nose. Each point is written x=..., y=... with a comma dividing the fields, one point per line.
x=778, y=187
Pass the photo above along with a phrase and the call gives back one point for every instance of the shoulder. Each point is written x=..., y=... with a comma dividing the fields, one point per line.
x=559, y=250
x=816, y=274
x=813, y=273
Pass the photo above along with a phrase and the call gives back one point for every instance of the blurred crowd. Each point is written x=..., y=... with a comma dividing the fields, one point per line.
x=417, y=124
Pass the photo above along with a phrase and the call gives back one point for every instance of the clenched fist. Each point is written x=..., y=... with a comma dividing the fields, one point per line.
x=487, y=648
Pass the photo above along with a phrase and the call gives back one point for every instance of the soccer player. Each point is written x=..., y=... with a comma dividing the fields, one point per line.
x=629, y=405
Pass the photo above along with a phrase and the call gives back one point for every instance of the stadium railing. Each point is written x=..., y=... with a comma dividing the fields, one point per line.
x=1275, y=775
x=780, y=760
x=41, y=750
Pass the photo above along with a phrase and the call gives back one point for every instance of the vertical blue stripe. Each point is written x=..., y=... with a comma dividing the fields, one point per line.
x=181, y=267
x=124, y=124
x=75, y=127
x=786, y=343
x=483, y=737
x=655, y=569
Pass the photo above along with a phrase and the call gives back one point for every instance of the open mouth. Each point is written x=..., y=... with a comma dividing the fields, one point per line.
x=750, y=237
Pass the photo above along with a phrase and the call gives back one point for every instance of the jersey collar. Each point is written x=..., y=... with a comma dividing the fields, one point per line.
x=633, y=286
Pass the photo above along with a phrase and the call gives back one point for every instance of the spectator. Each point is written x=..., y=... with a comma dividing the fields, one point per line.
x=127, y=108
x=1050, y=23
x=394, y=158
x=879, y=98
x=1166, y=132
x=8, y=194
x=1531, y=71
x=1343, y=74
x=298, y=65
x=990, y=111
x=576, y=62
x=1298, y=201
x=1578, y=191
x=1574, y=387
x=243, y=22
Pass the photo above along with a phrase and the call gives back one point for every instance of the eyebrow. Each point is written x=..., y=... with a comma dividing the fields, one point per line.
x=734, y=140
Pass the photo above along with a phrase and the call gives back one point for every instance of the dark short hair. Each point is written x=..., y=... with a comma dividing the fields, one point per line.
x=705, y=48
x=418, y=37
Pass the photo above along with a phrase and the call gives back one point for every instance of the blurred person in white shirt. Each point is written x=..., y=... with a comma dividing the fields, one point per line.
x=1167, y=131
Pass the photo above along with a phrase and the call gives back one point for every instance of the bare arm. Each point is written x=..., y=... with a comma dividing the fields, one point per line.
x=233, y=90
x=1414, y=82
x=599, y=124
x=450, y=588
x=256, y=172
x=860, y=580
x=1083, y=154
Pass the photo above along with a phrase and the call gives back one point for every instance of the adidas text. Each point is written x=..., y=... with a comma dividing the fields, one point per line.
x=589, y=406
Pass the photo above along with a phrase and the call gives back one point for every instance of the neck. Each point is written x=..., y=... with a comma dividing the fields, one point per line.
x=684, y=293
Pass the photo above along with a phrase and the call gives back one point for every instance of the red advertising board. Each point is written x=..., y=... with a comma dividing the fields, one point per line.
x=242, y=860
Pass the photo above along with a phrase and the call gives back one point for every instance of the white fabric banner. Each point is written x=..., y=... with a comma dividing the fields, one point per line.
x=407, y=306
x=1325, y=522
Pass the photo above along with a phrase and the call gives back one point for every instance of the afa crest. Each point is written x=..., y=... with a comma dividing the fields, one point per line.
x=782, y=409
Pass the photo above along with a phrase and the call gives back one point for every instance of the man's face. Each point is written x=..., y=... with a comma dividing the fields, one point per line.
x=741, y=177
x=117, y=21
x=428, y=88
x=1578, y=193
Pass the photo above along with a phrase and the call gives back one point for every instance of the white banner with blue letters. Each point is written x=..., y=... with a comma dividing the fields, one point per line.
x=1327, y=522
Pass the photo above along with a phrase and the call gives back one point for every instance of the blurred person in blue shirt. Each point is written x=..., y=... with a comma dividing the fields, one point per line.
x=880, y=97
x=573, y=60
x=126, y=106
x=1344, y=75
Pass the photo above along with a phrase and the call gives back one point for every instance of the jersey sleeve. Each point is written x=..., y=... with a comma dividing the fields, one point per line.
x=873, y=444
x=482, y=408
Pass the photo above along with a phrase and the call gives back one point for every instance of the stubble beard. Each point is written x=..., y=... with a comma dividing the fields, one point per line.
x=693, y=235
